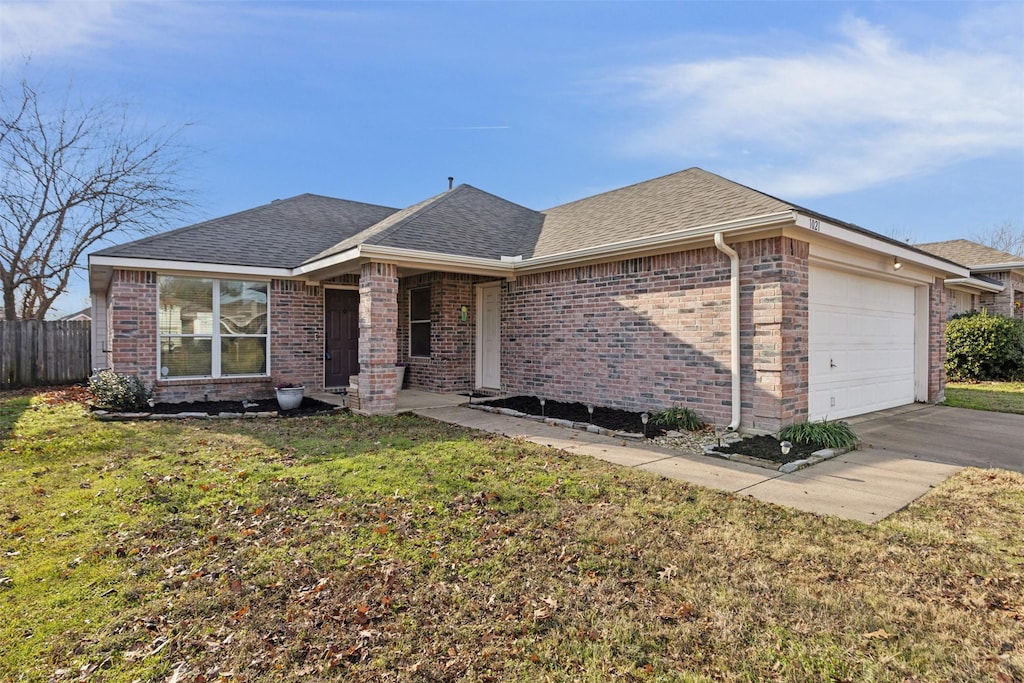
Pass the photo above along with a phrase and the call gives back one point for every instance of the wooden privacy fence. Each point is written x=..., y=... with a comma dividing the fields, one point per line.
x=38, y=352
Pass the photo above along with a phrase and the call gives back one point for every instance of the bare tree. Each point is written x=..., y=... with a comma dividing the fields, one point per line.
x=72, y=177
x=1004, y=237
x=901, y=235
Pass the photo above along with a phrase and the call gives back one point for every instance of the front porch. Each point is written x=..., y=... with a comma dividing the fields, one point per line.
x=444, y=327
x=407, y=401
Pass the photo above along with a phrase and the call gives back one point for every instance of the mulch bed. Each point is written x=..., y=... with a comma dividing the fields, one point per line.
x=763, y=447
x=609, y=418
x=768, y=448
x=309, y=406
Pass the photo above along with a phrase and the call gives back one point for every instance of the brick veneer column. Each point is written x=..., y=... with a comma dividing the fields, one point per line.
x=378, y=338
x=936, y=341
x=297, y=333
x=774, y=324
x=132, y=320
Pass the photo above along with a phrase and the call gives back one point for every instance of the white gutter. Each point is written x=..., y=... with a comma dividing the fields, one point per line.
x=1011, y=265
x=134, y=263
x=734, y=322
x=973, y=283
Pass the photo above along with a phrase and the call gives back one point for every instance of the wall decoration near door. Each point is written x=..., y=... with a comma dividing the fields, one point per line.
x=341, y=357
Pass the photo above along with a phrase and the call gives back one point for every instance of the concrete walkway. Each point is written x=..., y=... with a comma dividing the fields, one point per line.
x=864, y=485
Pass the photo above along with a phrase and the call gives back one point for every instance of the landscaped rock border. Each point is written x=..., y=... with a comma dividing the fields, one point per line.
x=568, y=424
x=729, y=438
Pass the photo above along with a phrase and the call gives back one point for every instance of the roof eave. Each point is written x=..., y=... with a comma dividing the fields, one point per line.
x=817, y=224
x=973, y=284
x=999, y=267
x=660, y=242
x=102, y=267
x=409, y=258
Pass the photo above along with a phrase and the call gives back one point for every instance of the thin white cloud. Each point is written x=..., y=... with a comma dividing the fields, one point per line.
x=30, y=29
x=860, y=112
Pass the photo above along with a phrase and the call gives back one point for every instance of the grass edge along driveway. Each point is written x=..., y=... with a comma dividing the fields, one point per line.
x=402, y=549
x=1000, y=397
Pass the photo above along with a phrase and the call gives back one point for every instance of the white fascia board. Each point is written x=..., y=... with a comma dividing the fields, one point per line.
x=413, y=258
x=327, y=261
x=816, y=225
x=997, y=267
x=662, y=241
x=452, y=263
x=972, y=283
x=187, y=266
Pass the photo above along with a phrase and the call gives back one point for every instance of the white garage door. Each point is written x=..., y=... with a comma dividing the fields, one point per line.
x=861, y=344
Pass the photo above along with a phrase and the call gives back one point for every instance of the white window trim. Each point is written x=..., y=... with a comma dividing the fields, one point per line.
x=215, y=335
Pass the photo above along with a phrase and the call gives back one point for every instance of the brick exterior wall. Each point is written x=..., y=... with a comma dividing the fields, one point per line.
x=937, y=309
x=296, y=340
x=132, y=320
x=774, y=314
x=297, y=333
x=378, y=338
x=1003, y=303
x=653, y=332
x=452, y=363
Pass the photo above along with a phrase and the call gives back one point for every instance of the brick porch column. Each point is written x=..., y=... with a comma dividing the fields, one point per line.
x=936, y=341
x=378, y=338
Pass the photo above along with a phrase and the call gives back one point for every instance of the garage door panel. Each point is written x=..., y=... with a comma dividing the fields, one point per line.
x=861, y=344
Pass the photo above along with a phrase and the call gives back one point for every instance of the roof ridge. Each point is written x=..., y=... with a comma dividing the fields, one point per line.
x=363, y=235
x=243, y=212
x=624, y=187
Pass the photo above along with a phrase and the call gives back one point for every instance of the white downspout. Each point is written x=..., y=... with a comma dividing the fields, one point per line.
x=734, y=322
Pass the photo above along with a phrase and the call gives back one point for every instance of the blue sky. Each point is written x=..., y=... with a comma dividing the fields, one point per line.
x=906, y=118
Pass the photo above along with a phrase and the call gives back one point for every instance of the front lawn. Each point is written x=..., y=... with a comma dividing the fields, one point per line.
x=1000, y=397
x=398, y=549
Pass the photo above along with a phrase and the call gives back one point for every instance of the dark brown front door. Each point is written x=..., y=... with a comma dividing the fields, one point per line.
x=341, y=310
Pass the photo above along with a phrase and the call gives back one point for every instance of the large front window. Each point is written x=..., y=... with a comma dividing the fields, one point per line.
x=212, y=328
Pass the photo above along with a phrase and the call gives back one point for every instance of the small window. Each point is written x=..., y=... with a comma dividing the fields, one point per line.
x=419, y=322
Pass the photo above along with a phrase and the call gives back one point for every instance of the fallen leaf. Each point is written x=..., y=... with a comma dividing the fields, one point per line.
x=880, y=634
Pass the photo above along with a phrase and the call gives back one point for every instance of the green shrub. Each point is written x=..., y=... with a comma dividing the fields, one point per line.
x=980, y=346
x=117, y=391
x=834, y=434
x=678, y=418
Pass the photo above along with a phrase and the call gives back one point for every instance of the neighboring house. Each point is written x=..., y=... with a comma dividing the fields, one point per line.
x=688, y=289
x=996, y=283
x=84, y=314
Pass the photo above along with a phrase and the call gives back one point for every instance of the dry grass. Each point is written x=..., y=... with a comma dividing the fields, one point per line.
x=399, y=549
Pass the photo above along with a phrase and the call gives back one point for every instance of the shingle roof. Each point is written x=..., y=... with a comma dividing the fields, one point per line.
x=970, y=254
x=687, y=199
x=464, y=221
x=281, y=234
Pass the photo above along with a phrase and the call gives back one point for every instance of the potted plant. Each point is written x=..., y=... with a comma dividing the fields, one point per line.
x=289, y=395
x=401, y=367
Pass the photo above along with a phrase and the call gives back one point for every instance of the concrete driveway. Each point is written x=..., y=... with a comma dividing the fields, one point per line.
x=940, y=434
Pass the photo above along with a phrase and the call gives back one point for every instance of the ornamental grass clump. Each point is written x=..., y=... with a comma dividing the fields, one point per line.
x=834, y=434
x=678, y=418
x=118, y=391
